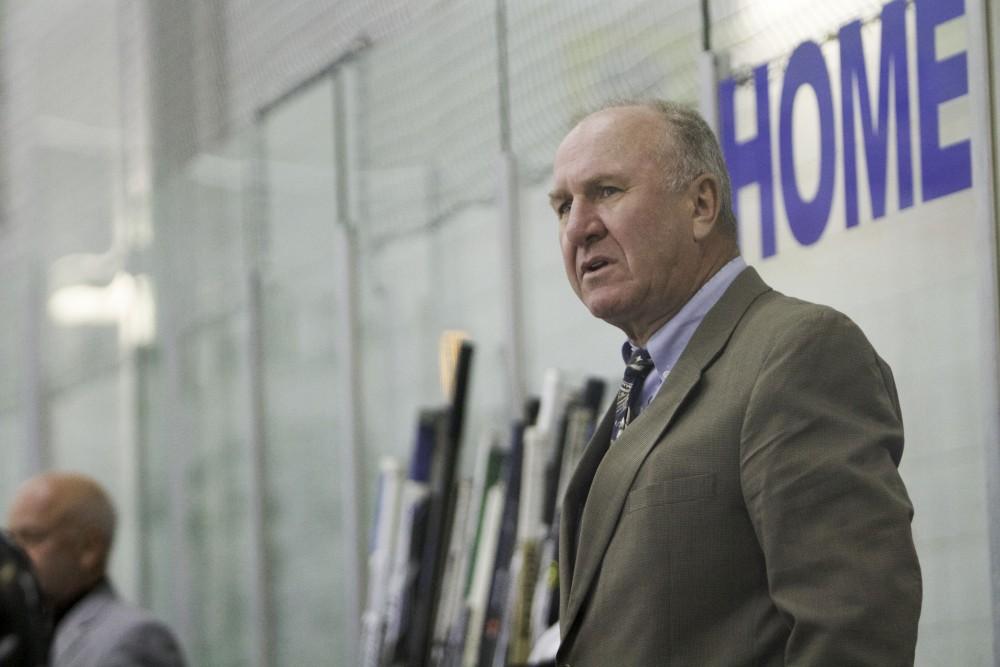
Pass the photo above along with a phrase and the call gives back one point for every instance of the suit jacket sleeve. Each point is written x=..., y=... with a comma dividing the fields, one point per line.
x=148, y=644
x=819, y=449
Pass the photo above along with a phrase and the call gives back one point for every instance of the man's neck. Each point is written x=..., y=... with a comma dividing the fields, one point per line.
x=710, y=267
x=63, y=610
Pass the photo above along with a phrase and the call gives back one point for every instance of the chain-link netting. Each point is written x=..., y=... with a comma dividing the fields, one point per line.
x=431, y=94
x=431, y=102
x=751, y=33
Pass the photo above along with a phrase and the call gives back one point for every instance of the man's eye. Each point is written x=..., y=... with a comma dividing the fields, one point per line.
x=607, y=190
x=563, y=209
x=27, y=537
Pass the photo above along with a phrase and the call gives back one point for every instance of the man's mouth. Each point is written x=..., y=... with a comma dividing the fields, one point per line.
x=594, y=265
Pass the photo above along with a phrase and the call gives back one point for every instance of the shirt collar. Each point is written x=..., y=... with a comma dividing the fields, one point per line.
x=668, y=342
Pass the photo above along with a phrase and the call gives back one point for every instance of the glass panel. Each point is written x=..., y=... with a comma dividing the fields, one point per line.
x=79, y=232
x=430, y=126
x=14, y=369
x=431, y=251
x=214, y=393
x=304, y=411
x=12, y=472
x=195, y=400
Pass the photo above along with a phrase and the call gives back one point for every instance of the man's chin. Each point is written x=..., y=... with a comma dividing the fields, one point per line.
x=604, y=309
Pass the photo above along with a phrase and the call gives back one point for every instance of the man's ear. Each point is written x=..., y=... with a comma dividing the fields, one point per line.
x=93, y=551
x=705, y=203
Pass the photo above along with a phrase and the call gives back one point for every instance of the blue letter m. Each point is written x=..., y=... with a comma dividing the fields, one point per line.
x=892, y=74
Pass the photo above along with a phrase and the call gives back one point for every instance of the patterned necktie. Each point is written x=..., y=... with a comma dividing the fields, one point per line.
x=637, y=369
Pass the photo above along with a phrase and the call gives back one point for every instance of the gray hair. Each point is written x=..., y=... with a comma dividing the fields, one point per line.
x=697, y=151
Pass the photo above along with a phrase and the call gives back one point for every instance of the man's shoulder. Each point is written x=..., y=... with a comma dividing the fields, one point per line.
x=756, y=302
x=779, y=312
x=103, y=606
x=119, y=612
x=751, y=319
x=124, y=622
x=775, y=321
x=109, y=627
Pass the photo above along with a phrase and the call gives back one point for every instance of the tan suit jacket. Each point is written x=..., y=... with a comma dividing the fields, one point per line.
x=752, y=514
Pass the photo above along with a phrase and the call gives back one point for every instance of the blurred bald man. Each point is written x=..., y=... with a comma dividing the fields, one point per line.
x=66, y=524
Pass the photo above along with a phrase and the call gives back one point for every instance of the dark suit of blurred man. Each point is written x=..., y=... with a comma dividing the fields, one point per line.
x=66, y=523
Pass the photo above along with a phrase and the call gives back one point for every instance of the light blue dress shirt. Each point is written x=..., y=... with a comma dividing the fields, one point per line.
x=668, y=342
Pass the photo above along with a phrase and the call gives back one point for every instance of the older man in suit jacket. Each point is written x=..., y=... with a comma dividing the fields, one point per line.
x=66, y=522
x=740, y=504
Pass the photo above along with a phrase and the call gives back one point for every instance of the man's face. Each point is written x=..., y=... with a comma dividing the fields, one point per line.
x=627, y=239
x=38, y=523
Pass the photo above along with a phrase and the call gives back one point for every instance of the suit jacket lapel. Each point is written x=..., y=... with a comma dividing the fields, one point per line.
x=604, y=477
x=573, y=503
x=612, y=481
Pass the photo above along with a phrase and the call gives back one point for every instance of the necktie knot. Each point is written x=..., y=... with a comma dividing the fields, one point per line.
x=626, y=402
x=639, y=364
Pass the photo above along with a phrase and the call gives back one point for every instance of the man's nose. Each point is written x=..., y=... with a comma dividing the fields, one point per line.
x=584, y=225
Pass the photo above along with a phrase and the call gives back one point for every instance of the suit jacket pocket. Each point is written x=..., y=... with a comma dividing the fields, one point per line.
x=671, y=491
